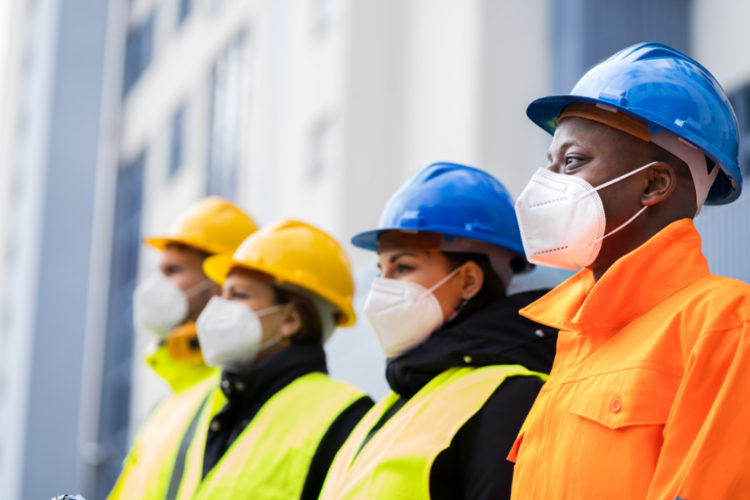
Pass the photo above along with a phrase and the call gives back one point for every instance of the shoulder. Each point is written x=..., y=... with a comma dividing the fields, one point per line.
x=723, y=302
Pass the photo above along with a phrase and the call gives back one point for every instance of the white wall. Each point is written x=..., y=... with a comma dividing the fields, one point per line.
x=721, y=39
x=401, y=84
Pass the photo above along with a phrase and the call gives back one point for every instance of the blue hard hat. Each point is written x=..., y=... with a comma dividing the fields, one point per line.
x=452, y=200
x=668, y=90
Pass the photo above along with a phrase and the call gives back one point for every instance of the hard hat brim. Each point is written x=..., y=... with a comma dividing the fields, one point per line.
x=726, y=188
x=161, y=243
x=368, y=240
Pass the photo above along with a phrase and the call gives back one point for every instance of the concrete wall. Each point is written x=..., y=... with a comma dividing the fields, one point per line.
x=51, y=118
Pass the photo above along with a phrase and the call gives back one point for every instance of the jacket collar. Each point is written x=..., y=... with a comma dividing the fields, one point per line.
x=493, y=335
x=636, y=283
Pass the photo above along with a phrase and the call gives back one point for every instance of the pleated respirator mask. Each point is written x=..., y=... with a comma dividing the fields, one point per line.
x=160, y=305
x=403, y=314
x=562, y=219
x=231, y=333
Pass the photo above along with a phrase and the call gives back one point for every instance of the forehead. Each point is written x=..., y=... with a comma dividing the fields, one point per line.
x=583, y=132
x=182, y=254
x=247, y=278
x=408, y=240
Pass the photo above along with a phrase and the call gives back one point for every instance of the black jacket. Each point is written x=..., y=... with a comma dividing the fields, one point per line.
x=248, y=392
x=474, y=467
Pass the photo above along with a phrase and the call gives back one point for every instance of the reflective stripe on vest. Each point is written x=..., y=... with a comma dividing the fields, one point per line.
x=396, y=462
x=148, y=468
x=270, y=459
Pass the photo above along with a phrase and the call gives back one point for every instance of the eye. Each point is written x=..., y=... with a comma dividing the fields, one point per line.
x=172, y=270
x=403, y=268
x=236, y=294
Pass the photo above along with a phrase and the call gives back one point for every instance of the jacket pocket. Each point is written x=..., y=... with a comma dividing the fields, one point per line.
x=619, y=431
x=636, y=396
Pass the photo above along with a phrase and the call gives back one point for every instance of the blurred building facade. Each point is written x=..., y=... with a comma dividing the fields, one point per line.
x=117, y=115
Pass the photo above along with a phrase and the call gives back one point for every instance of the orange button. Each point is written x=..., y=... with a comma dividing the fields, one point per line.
x=615, y=405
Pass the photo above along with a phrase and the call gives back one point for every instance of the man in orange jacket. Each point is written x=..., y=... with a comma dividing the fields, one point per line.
x=648, y=397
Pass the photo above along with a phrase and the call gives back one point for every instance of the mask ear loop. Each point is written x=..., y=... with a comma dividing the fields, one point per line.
x=609, y=183
x=440, y=283
x=616, y=180
x=200, y=287
x=276, y=338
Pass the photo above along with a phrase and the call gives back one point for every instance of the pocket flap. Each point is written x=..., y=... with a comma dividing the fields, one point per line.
x=636, y=396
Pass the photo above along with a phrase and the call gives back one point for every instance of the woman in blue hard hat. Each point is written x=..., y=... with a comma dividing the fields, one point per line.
x=463, y=366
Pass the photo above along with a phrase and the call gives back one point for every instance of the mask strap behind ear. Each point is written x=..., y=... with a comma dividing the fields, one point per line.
x=618, y=179
x=441, y=282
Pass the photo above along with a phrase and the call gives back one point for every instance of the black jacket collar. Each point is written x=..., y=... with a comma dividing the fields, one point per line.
x=494, y=335
x=273, y=374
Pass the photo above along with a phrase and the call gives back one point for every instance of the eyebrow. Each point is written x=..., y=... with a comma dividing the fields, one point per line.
x=400, y=254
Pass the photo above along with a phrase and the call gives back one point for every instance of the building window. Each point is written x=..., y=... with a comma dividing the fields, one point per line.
x=183, y=10
x=114, y=407
x=138, y=52
x=176, y=151
x=321, y=147
x=229, y=90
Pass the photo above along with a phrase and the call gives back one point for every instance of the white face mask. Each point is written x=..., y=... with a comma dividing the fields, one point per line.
x=403, y=314
x=159, y=305
x=562, y=219
x=231, y=334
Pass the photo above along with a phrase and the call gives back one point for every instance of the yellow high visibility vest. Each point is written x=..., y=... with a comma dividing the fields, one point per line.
x=148, y=468
x=183, y=371
x=270, y=459
x=396, y=462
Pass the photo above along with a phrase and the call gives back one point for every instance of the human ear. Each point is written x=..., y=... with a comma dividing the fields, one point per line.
x=472, y=277
x=662, y=180
x=291, y=324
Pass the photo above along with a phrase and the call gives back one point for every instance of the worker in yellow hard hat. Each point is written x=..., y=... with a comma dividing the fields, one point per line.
x=166, y=305
x=273, y=425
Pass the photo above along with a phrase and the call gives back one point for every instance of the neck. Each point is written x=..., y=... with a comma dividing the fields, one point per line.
x=624, y=242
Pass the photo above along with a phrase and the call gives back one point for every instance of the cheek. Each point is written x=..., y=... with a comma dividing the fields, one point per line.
x=449, y=296
x=620, y=203
x=189, y=278
x=270, y=325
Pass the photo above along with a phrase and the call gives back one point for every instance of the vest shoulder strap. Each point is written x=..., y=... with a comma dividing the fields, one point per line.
x=150, y=463
x=271, y=457
x=398, y=457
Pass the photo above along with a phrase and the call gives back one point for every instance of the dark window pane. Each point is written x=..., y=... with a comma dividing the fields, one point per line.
x=229, y=89
x=184, y=10
x=178, y=134
x=114, y=409
x=138, y=53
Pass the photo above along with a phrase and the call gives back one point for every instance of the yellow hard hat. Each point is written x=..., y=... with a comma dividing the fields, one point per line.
x=212, y=224
x=295, y=253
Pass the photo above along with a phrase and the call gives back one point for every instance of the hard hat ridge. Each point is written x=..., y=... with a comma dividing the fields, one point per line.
x=212, y=224
x=295, y=254
x=670, y=92
x=452, y=200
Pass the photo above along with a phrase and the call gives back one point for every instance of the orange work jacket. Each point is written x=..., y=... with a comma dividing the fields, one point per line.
x=649, y=396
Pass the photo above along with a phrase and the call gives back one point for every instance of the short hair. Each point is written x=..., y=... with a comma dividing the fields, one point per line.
x=312, y=327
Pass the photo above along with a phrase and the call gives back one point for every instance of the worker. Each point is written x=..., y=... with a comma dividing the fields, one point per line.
x=648, y=396
x=166, y=305
x=464, y=368
x=274, y=424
